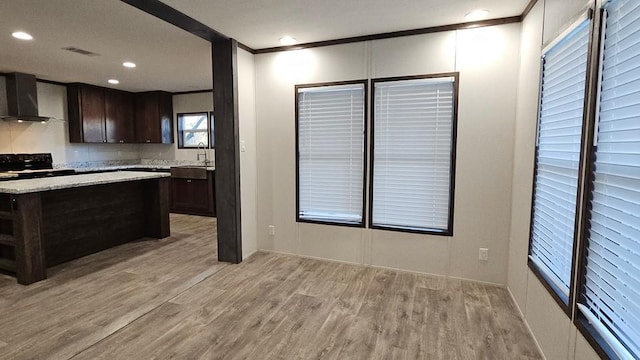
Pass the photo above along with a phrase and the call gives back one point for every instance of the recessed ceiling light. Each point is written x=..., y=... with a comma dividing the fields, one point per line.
x=287, y=40
x=128, y=64
x=477, y=15
x=22, y=35
x=113, y=81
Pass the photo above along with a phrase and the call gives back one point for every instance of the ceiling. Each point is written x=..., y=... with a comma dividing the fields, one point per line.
x=174, y=60
x=261, y=23
x=167, y=58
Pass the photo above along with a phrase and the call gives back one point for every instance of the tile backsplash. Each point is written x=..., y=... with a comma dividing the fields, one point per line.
x=115, y=163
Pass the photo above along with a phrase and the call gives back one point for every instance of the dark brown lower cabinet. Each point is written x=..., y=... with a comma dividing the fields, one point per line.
x=193, y=196
x=7, y=245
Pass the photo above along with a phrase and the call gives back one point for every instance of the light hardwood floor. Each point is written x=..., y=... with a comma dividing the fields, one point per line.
x=161, y=299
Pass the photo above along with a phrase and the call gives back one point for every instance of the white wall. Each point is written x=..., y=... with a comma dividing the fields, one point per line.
x=524, y=150
x=558, y=14
x=553, y=329
x=53, y=136
x=248, y=152
x=183, y=103
x=487, y=59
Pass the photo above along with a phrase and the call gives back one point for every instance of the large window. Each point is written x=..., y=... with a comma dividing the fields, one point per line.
x=194, y=129
x=558, y=154
x=610, y=293
x=414, y=125
x=330, y=125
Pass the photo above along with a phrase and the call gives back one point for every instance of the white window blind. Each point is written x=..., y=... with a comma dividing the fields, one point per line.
x=331, y=153
x=611, y=292
x=412, y=157
x=564, y=71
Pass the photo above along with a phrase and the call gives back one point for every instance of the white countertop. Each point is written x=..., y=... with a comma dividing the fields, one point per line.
x=133, y=167
x=119, y=167
x=7, y=176
x=25, y=186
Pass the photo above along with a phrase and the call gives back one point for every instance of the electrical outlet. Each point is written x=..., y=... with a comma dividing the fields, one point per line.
x=483, y=254
x=272, y=230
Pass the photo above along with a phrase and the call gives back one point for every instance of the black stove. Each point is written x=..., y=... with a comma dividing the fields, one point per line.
x=29, y=166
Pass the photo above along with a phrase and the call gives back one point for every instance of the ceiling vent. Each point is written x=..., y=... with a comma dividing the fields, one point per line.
x=80, y=51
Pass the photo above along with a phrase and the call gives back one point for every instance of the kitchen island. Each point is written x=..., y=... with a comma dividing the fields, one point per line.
x=48, y=221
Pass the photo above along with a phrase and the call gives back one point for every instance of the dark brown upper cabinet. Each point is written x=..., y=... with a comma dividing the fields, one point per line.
x=100, y=115
x=119, y=116
x=154, y=117
x=86, y=114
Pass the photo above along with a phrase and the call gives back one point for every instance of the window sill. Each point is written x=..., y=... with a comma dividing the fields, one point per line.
x=594, y=339
x=437, y=232
x=563, y=303
x=330, y=222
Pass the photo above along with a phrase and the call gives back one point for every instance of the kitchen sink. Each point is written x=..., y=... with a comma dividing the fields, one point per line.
x=189, y=172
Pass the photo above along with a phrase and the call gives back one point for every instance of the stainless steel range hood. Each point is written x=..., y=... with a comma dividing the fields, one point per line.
x=22, y=98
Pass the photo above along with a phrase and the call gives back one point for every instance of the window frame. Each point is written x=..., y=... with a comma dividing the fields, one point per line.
x=547, y=283
x=210, y=129
x=365, y=83
x=452, y=172
x=588, y=330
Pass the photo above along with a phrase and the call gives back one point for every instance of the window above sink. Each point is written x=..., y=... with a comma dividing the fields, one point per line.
x=195, y=128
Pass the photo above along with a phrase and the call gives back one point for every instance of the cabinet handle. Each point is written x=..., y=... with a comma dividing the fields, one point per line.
x=148, y=140
x=104, y=140
x=188, y=181
x=121, y=141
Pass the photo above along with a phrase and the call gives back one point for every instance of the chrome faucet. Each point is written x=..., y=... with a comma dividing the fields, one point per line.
x=204, y=152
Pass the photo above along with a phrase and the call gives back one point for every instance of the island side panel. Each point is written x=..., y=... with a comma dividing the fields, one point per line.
x=27, y=229
x=85, y=220
x=157, y=208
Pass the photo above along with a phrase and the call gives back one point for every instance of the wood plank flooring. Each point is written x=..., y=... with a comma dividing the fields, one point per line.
x=171, y=299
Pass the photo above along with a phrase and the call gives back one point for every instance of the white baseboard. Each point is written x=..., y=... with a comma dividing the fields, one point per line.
x=526, y=323
x=382, y=267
